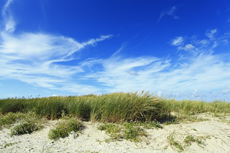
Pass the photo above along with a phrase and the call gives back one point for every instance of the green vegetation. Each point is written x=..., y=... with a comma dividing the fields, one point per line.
x=191, y=138
x=190, y=107
x=64, y=128
x=10, y=118
x=112, y=107
x=132, y=131
x=125, y=115
x=174, y=143
x=31, y=122
x=128, y=131
x=186, y=142
x=10, y=144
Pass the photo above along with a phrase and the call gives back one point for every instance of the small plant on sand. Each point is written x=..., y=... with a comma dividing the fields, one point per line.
x=64, y=128
x=153, y=124
x=132, y=132
x=10, y=144
x=173, y=121
x=189, y=139
x=195, y=119
x=198, y=140
x=102, y=127
x=128, y=131
x=148, y=124
x=174, y=143
x=27, y=125
x=113, y=130
x=10, y=118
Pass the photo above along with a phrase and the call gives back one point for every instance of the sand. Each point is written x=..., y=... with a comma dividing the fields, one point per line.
x=216, y=131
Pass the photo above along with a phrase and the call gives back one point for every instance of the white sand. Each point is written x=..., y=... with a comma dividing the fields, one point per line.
x=92, y=140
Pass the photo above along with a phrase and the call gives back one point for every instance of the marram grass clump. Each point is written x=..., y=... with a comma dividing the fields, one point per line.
x=116, y=107
x=64, y=128
x=132, y=131
x=28, y=124
x=113, y=107
x=10, y=118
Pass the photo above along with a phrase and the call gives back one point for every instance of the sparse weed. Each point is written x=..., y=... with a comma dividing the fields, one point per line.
x=132, y=132
x=10, y=144
x=174, y=143
x=113, y=130
x=194, y=119
x=10, y=118
x=64, y=128
x=148, y=124
x=155, y=124
x=173, y=121
x=188, y=140
x=102, y=127
x=128, y=131
x=27, y=125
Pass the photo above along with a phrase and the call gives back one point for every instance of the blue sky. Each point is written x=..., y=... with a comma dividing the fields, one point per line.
x=178, y=49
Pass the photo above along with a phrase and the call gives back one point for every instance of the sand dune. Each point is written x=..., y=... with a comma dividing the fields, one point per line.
x=211, y=136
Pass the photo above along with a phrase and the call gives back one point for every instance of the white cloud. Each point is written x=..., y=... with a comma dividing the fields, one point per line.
x=187, y=47
x=6, y=6
x=170, y=12
x=210, y=34
x=191, y=76
x=177, y=41
x=33, y=58
x=204, y=42
x=40, y=59
x=8, y=19
x=132, y=72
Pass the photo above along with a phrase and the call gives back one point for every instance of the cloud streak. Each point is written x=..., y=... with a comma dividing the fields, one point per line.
x=170, y=12
x=40, y=59
x=8, y=19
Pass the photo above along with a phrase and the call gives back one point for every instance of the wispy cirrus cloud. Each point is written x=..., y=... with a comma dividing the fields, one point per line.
x=196, y=73
x=210, y=34
x=40, y=59
x=195, y=46
x=192, y=78
x=177, y=41
x=170, y=12
x=8, y=19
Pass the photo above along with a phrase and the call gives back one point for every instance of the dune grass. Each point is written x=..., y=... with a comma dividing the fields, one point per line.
x=133, y=111
x=191, y=107
x=10, y=118
x=112, y=107
x=64, y=128
x=187, y=141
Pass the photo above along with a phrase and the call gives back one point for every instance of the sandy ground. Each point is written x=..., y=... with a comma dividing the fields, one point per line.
x=214, y=134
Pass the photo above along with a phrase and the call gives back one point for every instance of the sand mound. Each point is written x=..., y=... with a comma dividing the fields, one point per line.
x=205, y=136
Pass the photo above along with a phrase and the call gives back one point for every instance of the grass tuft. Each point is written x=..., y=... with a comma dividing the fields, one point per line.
x=10, y=118
x=129, y=131
x=27, y=125
x=174, y=143
x=64, y=128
